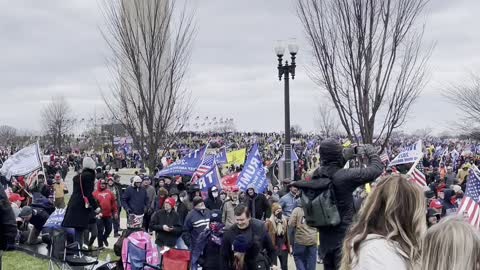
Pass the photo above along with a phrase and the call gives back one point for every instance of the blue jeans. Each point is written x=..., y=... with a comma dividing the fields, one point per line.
x=305, y=257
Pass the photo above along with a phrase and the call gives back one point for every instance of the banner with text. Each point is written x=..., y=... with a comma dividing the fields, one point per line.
x=185, y=166
x=409, y=154
x=253, y=172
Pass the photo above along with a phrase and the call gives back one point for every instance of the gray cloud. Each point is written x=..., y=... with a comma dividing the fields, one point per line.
x=55, y=47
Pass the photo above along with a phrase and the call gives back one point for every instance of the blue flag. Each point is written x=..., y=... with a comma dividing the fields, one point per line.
x=253, y=172
x=209, y=179
x=185, y=166
x=221, y=157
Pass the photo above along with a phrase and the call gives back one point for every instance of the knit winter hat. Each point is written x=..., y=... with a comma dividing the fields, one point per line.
x=330, y=150
x=216, y=216
x=88, y=163
x=197, y=200
x=241, y=243
x=170, y=201
x=26, y=211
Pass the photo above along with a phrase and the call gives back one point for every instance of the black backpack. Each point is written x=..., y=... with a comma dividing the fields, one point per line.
x=319, y=203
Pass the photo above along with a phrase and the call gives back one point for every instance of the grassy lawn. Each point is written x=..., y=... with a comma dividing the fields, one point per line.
x=13, y=260
x=20, y=260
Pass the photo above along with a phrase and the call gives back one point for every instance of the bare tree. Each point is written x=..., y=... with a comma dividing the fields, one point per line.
x=58, y=121
x=326, y=121
x=423, y=132
x=466, y=97
x=8, y=135
x=151, y=53
x=368, y=58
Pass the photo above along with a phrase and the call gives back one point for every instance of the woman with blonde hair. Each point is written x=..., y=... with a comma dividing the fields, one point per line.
x=389, y=229
x=452, y=244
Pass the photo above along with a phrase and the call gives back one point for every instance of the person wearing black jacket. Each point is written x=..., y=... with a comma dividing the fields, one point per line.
x=82, y=207
x=345, y=181
x=8, y=225
x=213, y=202
x=166, y=225
x=257, y=246
x=257, y=203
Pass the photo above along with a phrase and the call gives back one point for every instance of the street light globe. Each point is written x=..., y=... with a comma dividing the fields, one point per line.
x=279, y=48
x=293, y=46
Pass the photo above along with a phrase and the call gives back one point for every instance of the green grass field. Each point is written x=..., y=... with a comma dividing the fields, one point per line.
x=13, y=260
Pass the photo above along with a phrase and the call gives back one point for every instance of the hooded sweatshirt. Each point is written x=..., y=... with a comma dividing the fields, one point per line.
x=213, y=203
x=107, y=201
x=257, y=204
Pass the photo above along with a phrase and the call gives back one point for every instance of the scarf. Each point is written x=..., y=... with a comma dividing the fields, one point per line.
x=278, y=225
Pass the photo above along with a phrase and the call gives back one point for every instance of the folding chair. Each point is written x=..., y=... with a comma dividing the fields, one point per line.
x=137, y=258
x=73, y=256
x=176, y=259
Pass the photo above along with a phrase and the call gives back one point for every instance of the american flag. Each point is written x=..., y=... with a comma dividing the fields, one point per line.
x=384, y=158
x=470, y=203
x=205, y=167
x=418, y=177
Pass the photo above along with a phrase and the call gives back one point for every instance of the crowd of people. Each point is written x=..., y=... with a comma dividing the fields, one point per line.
x=393, y=224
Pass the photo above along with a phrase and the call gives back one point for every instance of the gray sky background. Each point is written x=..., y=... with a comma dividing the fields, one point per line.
x=54, y=48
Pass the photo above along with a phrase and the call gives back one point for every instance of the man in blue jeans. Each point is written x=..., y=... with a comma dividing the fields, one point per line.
x=305, y=241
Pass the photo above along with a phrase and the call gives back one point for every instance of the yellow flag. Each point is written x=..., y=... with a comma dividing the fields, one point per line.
x=237, y=157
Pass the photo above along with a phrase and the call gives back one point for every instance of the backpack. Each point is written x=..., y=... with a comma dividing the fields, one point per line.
x=318, y=202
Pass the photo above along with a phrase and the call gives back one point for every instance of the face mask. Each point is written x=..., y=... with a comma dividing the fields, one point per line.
x=279, y=215
x=215, y=194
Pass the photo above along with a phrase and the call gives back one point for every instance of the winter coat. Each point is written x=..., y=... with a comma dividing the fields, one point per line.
x=448, y=207
x=257, y=235
x=304, y=234
x=269, y=224
x=213, y=203
x=182, y=211
x=345, y=181
x=135, y=200
x=142, y=240
x=207, y=250
x=8, y=225
x=195, y=223
x=164, y=238
x=107, y=202
x=39, y=218
x=258, y=205
x=151, y=194
x=228, y=215
x=77, y=215
x=376, y=252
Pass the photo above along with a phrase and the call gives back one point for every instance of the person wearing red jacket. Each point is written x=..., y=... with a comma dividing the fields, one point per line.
x=108, y=203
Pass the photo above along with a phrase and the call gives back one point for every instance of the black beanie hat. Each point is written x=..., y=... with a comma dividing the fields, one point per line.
x=330, y=150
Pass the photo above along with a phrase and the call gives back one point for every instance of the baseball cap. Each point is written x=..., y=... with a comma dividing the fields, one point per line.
x=14, y=197
x=170, y=201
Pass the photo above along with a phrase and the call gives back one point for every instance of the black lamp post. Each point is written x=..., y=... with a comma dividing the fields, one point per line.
x=285, y=70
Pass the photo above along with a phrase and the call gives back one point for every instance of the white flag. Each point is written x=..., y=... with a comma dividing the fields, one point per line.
x=23, y=162
x=409, y=154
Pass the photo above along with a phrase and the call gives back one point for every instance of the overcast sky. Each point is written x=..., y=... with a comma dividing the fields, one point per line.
x=54, y=48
